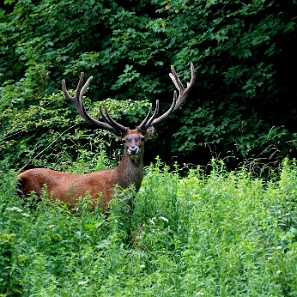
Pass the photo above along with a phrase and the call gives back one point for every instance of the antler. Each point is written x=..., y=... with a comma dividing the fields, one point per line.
x=110, y=125
x=176, y=102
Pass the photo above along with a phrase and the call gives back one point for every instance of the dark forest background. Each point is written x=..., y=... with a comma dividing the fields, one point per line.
x=242, y=109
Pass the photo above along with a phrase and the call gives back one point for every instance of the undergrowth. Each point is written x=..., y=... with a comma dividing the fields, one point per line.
x=215, y=234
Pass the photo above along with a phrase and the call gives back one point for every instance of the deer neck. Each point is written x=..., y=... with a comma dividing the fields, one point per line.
x=130, y=172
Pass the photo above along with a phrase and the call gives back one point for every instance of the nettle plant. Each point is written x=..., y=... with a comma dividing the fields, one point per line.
x=242, y=52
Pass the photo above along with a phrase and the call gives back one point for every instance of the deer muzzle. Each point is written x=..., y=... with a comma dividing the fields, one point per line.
x=133, y=150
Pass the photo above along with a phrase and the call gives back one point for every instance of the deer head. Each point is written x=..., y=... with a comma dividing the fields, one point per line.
x=132, y=138
x=69, y=186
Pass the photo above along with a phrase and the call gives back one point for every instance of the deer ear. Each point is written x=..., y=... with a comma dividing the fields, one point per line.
x=150, y=132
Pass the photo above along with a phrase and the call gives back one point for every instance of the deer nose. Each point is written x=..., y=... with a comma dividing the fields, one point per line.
x=133, y=149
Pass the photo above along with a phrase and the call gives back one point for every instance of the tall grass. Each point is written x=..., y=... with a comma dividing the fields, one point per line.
x=216, y=234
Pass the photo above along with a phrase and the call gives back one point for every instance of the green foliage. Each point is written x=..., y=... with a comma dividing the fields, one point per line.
x=242, y=53
x=238, y=48
x=221, y=234
x=50, y=133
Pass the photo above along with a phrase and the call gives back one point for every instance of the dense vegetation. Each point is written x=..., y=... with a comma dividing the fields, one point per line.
x=243, y=106
x=206, y=231
x=222, y=234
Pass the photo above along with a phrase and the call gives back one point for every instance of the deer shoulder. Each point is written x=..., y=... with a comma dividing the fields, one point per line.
x=100, y=185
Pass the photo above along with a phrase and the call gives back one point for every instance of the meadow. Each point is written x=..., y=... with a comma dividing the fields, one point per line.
x=204, y=233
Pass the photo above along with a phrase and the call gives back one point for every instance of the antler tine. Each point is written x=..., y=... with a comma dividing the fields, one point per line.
x=76, y=100
x=80, y=89
x=105, y=119
x=148, y=120
x=166, y=114
x=182, y=94
x=108, y=119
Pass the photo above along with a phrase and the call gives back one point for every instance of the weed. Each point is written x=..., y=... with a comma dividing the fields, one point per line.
x=216, y=234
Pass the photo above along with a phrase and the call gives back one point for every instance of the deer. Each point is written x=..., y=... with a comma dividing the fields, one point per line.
x=69, y=187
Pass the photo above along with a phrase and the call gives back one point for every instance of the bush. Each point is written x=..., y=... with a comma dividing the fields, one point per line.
x=214, y=234
x=242, y=52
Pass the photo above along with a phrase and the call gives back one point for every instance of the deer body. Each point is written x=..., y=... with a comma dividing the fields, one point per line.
x=68, y=187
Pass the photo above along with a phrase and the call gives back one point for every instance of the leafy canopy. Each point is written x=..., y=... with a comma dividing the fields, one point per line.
x=244, y=102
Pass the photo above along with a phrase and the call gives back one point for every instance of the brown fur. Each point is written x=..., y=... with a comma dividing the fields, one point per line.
x=68, y=187
x=100, y=185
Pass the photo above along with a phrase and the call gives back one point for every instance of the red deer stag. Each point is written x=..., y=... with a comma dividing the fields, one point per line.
x=100, y=185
